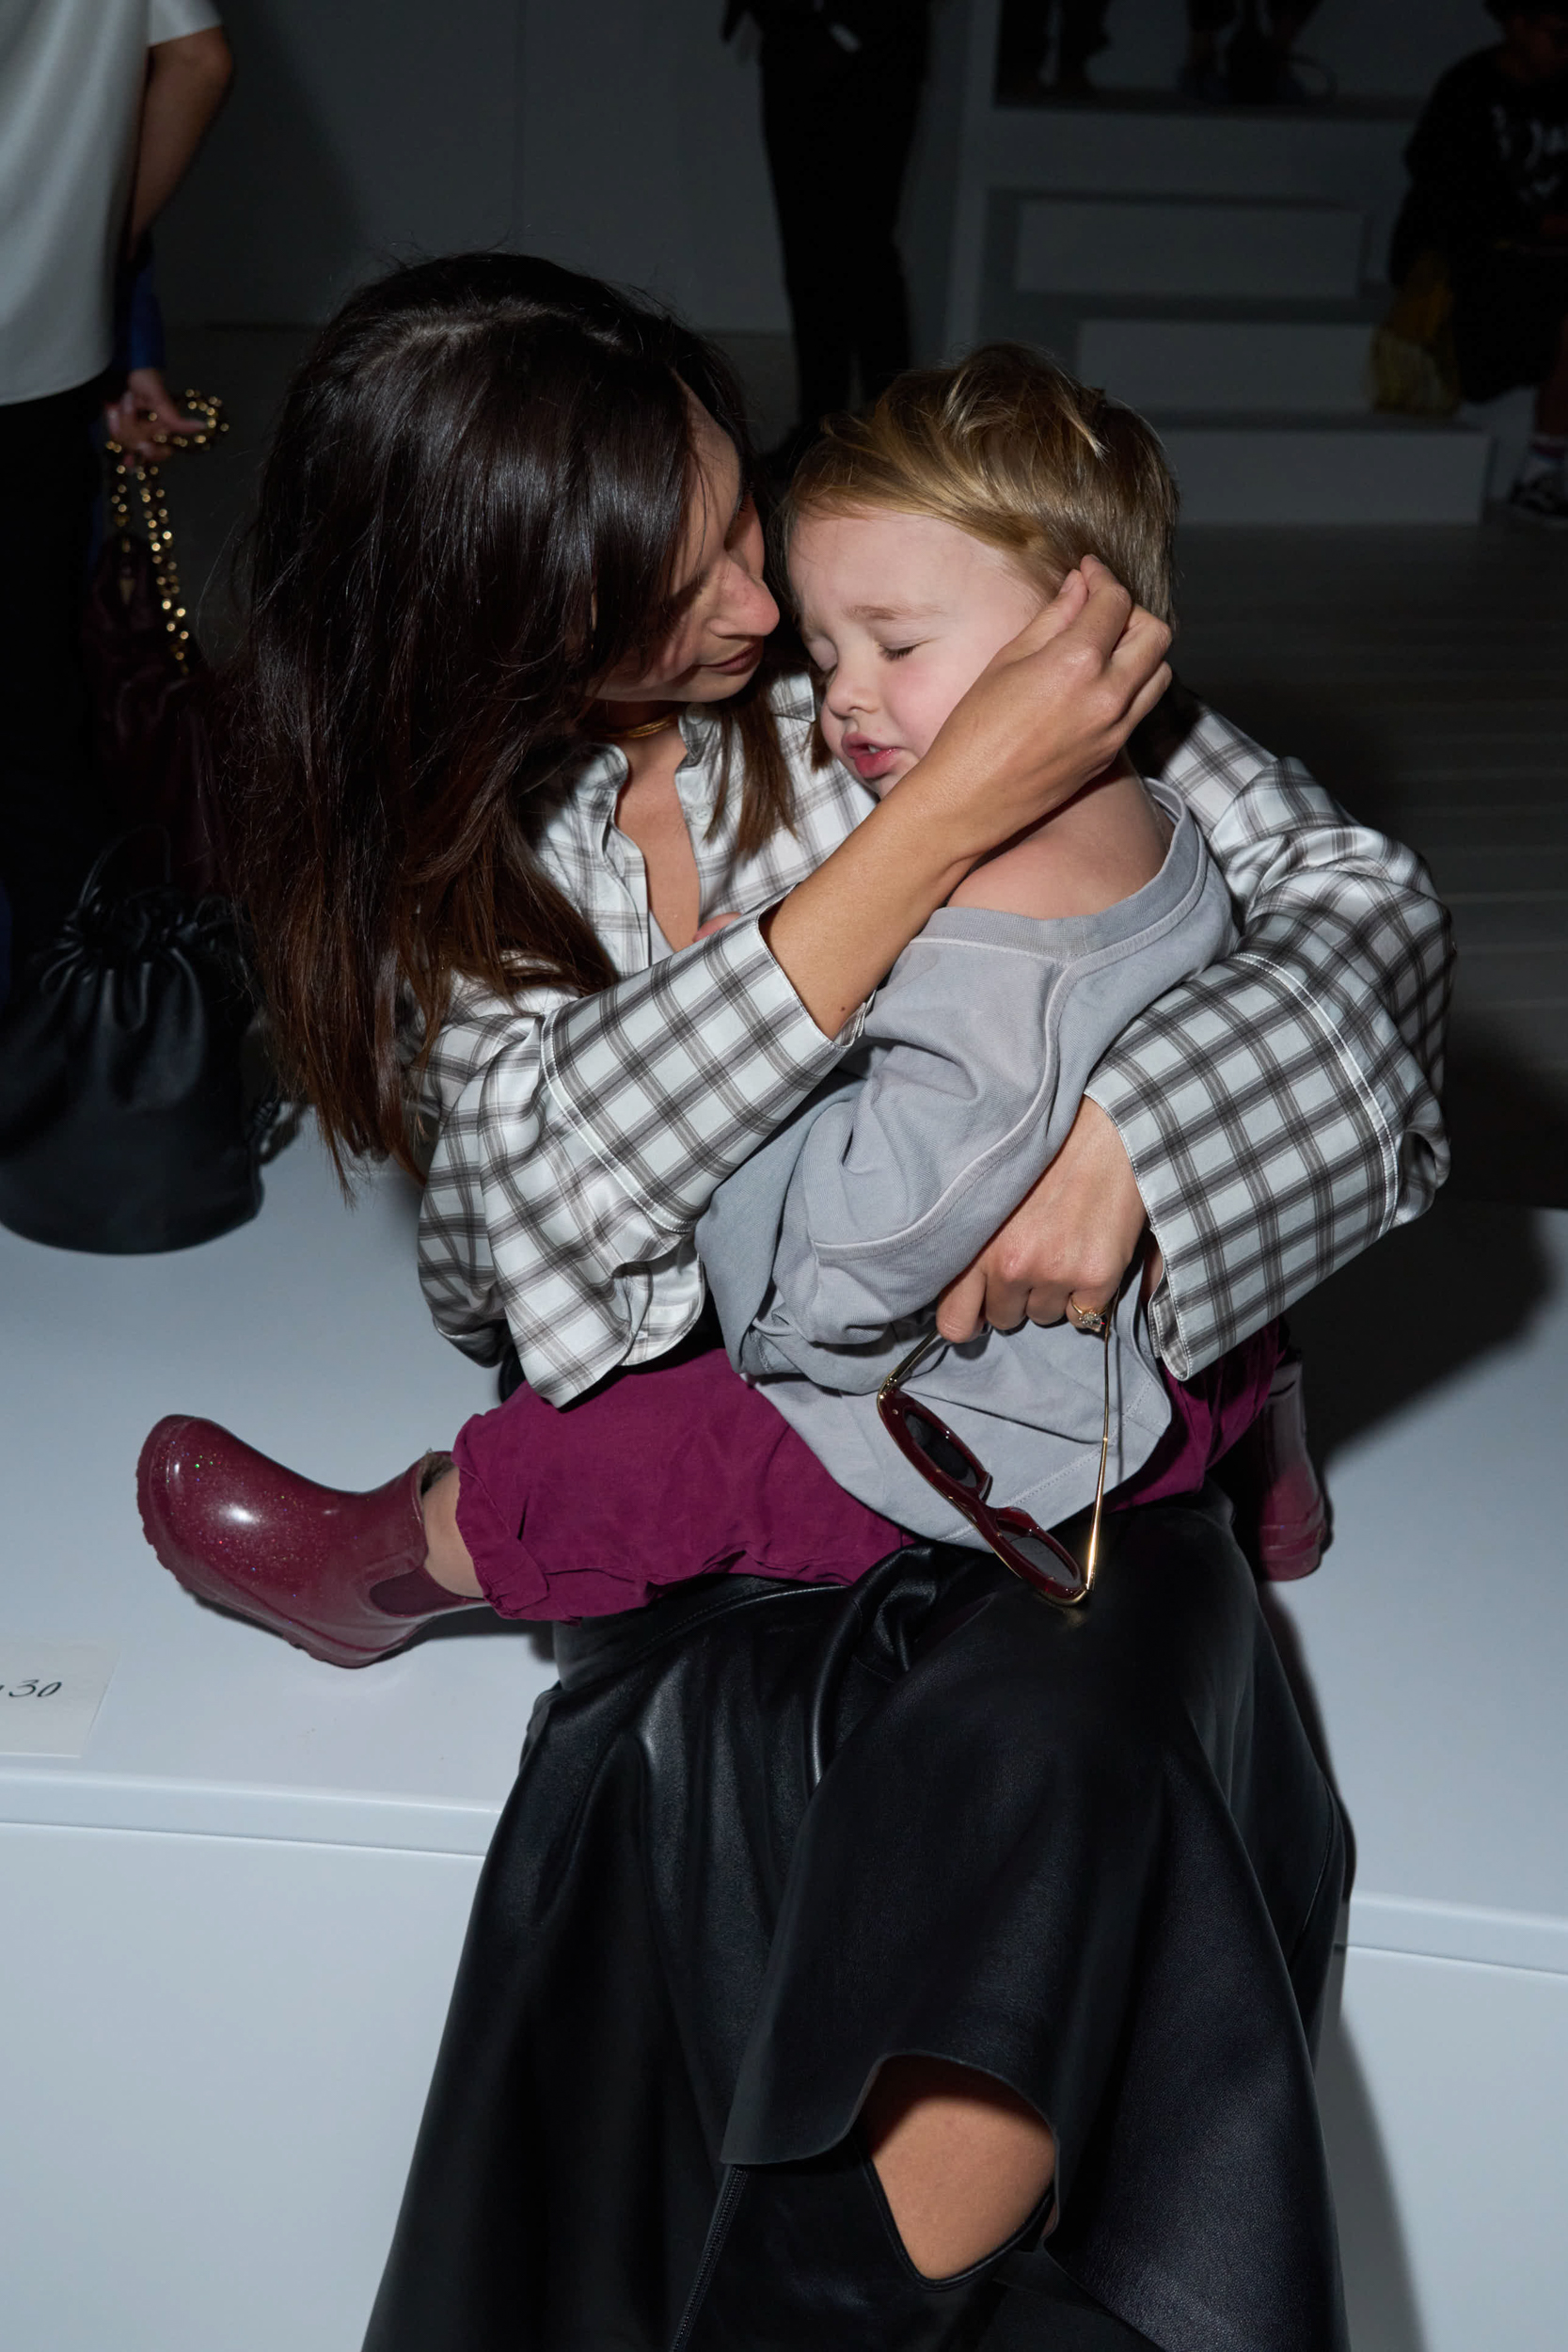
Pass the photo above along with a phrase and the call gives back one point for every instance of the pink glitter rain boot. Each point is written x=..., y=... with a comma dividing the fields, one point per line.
x=341, y=1576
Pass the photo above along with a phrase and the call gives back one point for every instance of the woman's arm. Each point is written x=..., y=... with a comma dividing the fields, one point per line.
x=1272, y=1116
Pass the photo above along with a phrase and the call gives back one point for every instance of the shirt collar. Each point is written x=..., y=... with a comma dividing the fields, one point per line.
x=598, y=782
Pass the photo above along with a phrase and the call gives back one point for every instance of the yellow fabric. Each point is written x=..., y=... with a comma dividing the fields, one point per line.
x=1412, y=364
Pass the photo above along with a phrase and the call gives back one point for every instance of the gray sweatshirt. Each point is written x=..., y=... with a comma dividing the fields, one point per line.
x=825, y=1252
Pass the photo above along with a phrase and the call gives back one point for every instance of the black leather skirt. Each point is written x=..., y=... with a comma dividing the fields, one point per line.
x=765, y=1837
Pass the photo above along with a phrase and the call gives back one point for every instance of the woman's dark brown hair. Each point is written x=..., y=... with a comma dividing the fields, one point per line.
x=471, y=512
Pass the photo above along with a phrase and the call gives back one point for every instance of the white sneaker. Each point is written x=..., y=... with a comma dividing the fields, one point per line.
x=1542, y=499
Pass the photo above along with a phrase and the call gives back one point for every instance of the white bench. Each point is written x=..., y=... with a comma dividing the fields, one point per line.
x=230, y=1923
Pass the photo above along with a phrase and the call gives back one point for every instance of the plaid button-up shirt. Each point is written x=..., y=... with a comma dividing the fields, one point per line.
x=1279, y=1111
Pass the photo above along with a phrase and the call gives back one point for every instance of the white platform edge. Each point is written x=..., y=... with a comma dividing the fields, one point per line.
x=1429, y=1930
x=40, y=1800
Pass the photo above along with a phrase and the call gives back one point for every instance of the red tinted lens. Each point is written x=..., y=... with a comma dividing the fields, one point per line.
x=931, y=1445
x=1035, y=1556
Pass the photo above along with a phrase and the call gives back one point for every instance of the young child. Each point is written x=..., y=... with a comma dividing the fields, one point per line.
x=919, y=542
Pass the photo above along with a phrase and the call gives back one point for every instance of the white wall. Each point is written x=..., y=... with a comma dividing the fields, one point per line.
x=641, y=157
x=356, y=130
x=619, y=135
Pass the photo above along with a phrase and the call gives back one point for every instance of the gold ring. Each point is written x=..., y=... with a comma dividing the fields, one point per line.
x=1087, y=1319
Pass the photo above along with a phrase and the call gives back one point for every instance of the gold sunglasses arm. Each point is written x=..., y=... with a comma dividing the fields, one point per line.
x=909, y=1364
x=1092, y=1562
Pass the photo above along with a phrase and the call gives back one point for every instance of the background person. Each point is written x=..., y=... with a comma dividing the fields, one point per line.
x=1024, y=45
x=841, y=85
x=106, y=103
x=1488, y=197
x=1253, y=67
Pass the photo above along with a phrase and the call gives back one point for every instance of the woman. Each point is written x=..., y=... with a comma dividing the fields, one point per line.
x=938, y=1918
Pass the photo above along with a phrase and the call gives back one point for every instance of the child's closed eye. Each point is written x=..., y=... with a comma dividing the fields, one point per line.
x=897, y=653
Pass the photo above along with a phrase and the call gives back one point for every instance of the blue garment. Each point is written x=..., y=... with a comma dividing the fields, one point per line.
x=138, y=318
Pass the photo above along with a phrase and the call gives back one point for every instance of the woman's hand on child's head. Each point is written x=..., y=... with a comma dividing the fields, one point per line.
x=1064, y=607
x=1053, y=709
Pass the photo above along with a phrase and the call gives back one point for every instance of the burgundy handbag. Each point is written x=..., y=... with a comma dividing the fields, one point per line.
x=151, y=688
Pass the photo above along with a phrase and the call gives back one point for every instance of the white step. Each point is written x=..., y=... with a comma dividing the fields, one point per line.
x=1321, y=471
x=1176, y=248
x=1334, y=157
x=1229, y=365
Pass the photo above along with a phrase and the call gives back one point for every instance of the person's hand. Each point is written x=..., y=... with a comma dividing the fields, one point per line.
x=1072, y=1237
x=1049, y=713
x=146, y=417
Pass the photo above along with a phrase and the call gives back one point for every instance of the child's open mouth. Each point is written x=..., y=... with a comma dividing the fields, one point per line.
x=869, y=760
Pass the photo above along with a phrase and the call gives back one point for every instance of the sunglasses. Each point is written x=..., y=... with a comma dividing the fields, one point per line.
x=1031, y=1551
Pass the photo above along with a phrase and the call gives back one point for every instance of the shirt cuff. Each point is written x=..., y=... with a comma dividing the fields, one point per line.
x=1122, y=1097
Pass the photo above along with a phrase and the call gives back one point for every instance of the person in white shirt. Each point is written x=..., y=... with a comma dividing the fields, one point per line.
x=102, y=106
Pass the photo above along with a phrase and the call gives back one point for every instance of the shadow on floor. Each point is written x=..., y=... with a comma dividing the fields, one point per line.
x=1509, y=1128
x=1414, y=1311
x=1425, y=1303
x=1379, y=2290
x=482, y=1625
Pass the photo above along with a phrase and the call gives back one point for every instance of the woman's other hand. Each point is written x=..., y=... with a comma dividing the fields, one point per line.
x=1074, y=1236
x=1050, y=710
x=145, y=419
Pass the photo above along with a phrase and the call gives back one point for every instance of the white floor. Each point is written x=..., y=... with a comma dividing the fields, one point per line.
x=230, y=1923
x=1435, y=1637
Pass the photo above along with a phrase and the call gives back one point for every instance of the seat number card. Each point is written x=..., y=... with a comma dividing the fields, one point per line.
x=50, y=1693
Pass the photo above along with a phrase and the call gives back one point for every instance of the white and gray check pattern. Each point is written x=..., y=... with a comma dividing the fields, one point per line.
x=578, y=1140
x=1280, y=1110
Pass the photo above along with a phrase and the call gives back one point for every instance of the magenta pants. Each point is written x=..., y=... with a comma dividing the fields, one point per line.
x=679, y=1470
x=671, y=1472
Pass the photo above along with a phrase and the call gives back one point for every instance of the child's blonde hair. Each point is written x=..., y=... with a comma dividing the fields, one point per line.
x=1011, y=449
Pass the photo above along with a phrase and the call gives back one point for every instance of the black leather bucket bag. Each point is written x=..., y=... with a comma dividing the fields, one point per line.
x=123, y=1120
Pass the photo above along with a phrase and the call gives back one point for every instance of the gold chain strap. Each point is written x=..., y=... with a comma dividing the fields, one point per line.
x=160, y=536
